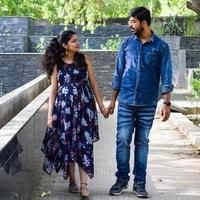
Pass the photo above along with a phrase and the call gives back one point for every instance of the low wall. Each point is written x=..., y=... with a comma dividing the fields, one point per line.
x=16, y=100
x=23, y=184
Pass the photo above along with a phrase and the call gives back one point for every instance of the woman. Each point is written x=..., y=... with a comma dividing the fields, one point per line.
x=72, y=115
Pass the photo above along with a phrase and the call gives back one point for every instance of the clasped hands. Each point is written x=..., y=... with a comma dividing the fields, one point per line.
x=109, y=110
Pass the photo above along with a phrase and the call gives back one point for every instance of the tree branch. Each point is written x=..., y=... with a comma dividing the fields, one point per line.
x=194, y=6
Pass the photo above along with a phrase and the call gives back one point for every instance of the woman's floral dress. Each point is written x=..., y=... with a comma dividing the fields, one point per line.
x=75, y=123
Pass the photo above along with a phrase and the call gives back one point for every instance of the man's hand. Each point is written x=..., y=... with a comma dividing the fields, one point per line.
x=111, y=107
x=165, y=112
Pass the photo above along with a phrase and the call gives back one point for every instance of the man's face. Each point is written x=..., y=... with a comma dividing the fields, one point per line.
x=135, y=25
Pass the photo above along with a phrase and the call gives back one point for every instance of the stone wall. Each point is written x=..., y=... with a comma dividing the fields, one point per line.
x=193, y=58
x=22, y=34
x=85, y=42
x=14, y=44
x=30, y=26
x=190, y=42
x=20, y=44
x=18, y=69
x=14, y=25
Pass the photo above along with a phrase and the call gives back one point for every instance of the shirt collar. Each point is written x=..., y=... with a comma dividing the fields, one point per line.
x=151, y=39
x=152, y=36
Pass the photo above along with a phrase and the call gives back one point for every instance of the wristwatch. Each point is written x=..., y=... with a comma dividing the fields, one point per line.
x=168, y=103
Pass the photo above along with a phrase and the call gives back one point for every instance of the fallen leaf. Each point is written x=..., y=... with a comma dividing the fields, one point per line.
x=45, y=193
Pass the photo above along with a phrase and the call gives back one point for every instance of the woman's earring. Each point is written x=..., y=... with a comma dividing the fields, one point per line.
x=63, y=45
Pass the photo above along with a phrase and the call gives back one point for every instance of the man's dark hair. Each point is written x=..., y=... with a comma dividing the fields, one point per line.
x=141, y=13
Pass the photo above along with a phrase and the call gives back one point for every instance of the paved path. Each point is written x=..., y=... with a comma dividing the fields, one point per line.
x=173, y=170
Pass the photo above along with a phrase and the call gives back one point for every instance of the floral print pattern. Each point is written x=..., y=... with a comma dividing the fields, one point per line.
x=75, y=123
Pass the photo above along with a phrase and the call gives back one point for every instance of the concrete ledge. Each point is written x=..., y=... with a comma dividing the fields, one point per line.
x=11, y=129
x=187, y=127
x=13, y=102
x=180, y=94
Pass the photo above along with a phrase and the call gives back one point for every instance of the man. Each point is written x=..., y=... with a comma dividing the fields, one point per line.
x=142, y=60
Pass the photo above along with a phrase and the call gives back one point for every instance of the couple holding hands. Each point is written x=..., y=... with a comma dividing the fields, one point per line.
x=143, y=59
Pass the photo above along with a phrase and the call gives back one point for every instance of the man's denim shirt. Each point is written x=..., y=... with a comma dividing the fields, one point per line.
x=139, y=69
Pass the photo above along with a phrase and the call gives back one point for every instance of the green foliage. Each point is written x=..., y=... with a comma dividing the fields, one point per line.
x=195, y=83
x=116, y=9
x=41, y=45
x=196, y=87
x=175, y=7
x=88, y=13
x=85, y=45
x=31, y=8
x=191, y=26
x=155, y=7
x=155, y=26
x=173, y=27
x=112, y=43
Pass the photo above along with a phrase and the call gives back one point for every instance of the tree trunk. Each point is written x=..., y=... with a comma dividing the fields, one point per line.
x=194, y=5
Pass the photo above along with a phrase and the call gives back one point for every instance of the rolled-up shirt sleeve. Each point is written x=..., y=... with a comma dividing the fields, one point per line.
x=166, y=70
x=119, y=68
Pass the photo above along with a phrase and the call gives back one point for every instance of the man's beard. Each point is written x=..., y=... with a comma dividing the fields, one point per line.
x=139, y=31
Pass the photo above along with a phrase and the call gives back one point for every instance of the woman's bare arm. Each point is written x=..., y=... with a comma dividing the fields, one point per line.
x=52, y=95
x=94, y=86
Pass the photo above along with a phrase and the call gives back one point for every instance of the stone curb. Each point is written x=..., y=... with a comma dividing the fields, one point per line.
x=184, y=125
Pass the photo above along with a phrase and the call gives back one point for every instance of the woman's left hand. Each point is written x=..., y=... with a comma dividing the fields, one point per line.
x=104, y=112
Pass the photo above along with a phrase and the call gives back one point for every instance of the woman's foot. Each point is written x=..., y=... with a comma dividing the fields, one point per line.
x=73, y=187
x=84, y=190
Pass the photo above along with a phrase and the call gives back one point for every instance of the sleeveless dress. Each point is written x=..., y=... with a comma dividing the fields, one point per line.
x=75, y=123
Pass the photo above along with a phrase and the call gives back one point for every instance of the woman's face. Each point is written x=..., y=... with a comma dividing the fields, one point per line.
x=73, y=44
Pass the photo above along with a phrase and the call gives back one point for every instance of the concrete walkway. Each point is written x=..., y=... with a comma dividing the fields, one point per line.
x=173, y=170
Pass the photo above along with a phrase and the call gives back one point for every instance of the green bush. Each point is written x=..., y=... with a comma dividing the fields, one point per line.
x=191, y=28
x=85, y=45
x=173, y=27
x=195, y=85
x=196, y=88
x=112, y=43
x=41, y=45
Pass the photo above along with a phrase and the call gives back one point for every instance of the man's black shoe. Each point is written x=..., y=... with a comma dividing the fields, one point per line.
x=140, y=191
x=118, y=187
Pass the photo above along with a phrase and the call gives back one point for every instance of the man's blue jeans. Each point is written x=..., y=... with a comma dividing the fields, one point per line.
x=137, y=119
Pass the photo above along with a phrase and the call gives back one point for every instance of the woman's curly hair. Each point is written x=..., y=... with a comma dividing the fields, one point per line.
x=55, y=51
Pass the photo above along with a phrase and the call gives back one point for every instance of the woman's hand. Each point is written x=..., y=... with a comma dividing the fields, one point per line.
x=49, y=122
x=104, y=111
